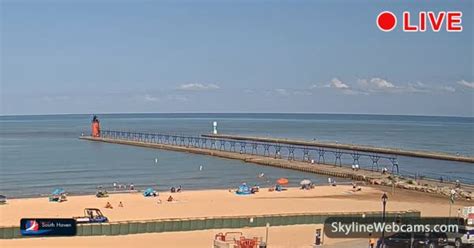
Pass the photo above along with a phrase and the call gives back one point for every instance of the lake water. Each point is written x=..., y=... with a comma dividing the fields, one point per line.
x=40, y=153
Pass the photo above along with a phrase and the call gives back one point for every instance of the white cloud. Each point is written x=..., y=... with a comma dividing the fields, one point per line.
x=381, y=83
x=338, y=84
x=198, y=87
x=466, y=84
x=376, y=85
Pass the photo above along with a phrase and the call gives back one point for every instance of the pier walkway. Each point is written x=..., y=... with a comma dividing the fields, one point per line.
x=351, y=147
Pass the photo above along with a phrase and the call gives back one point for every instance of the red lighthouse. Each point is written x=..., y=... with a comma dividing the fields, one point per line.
x=95, y=127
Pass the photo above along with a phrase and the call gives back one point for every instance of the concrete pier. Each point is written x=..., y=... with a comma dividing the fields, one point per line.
x=352, y=147
x=322, y=169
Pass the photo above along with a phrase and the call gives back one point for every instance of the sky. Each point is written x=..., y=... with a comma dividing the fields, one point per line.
x=82, y=56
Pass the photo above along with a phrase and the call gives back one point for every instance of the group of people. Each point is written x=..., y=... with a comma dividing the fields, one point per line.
x=176, y=190
x=123, y=186
x=109, y=206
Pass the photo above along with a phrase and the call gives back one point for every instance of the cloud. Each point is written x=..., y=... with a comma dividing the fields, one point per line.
x=376, y=85
x=343, y=87
x=338, y=84
x=466, y=84
x=198, y=87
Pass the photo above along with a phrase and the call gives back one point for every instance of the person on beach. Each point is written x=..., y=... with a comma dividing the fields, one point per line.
x=115, y=185
x=329, y=181
x=179, y=189
x=132, y=187
x=371, y=241
x=170, y=199
x=120, y=205
x=108, y=205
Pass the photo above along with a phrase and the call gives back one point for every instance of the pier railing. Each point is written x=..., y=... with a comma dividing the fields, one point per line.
x=311, y=154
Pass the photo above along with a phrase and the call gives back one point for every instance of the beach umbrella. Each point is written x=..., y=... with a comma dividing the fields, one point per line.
x=305, y=182
x=58, y=191
x=282, y=181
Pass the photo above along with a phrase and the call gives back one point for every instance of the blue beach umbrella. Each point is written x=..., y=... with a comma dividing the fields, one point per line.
x=58, y=191
x=148, y=192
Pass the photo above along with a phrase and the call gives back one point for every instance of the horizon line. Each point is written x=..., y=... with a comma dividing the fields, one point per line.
x=288, y=113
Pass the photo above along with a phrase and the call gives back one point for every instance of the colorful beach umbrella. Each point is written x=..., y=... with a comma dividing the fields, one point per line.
x=282, y=181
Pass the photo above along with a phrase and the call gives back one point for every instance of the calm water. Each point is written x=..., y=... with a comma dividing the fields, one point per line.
x=39, y=153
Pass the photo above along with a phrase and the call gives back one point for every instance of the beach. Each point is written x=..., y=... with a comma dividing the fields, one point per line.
x=207, y=203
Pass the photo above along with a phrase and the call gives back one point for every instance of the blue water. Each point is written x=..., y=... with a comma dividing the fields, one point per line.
x=39, y=153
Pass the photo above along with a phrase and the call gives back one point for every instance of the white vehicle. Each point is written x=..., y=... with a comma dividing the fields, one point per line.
x=465, y=236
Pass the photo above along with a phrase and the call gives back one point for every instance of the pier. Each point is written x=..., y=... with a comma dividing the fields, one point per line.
x=309, y=159
x=351, y=147
x=323, y=161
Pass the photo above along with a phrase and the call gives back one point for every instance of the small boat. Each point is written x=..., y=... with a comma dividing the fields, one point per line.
x=3, y=199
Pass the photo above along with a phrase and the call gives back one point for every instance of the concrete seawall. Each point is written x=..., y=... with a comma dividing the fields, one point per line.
x=361, y=148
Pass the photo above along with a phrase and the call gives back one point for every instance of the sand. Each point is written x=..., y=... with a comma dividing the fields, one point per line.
x=224, y=203
x=205, y=203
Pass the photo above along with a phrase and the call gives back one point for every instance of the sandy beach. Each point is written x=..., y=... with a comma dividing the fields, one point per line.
x=205, y=203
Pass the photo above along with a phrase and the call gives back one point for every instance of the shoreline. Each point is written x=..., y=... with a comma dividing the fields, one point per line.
x=208, y=203
x=371, y=177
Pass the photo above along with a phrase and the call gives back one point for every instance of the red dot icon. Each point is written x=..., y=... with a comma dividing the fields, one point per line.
x=386, y=21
